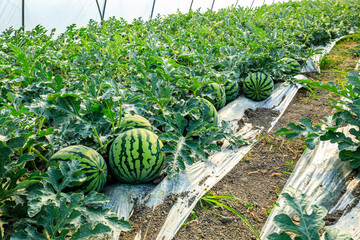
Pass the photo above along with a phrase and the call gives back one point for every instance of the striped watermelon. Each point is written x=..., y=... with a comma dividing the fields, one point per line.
x=215, y=94
x=134, y=121
x=208, y=112
x=258, y=86
x=135, y=156
x=231, y=90
x=292, y=66
x=94, y=166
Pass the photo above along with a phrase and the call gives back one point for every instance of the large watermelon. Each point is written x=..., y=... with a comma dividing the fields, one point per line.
x=208, y=111
x=258, y=86
x=134, y=121
x=231, y=90
x=135, y=156
x=94, y=166
x=215, y=94
x=292, y=67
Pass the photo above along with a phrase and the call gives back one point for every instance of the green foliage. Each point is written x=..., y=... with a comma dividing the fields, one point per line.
x=311, y=220
x=76, y=88
x=218, y=201
x=62, y=215
x=347, y=115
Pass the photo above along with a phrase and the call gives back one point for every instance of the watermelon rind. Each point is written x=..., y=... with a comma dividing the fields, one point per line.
x=208, y=111
x=135, y=156
x=231, y=90
x=217, y=93
x=258, y=86
x=134, y=121
x=292, y=67
x=94, y=166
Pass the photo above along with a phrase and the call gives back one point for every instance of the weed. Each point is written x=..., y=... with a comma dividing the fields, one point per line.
x=218, y=201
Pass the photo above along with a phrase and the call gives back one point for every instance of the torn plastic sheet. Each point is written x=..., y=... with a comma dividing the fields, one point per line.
x=320, y=174
x=201, y=176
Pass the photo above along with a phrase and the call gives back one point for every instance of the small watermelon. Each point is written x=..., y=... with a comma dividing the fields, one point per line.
x=231, y=90
x=258, y=86
x=217, y=93
x=208, y=112
x=135, y=156
x=94, y=166
x=134, y=121
x=292, y=66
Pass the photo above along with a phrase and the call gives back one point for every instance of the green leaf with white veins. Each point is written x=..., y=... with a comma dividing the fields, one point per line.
x=336, y=234
x=50, y=188
x=310, y=224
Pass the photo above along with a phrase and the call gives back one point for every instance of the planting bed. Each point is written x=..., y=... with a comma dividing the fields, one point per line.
x=260, y=177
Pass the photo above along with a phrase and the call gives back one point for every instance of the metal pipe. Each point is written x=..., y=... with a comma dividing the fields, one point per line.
x=152, y=10
x=103, y=14
x=23, y=15
x=212, y=6
x=98, y=6
x=192, y=1
x=252, y=3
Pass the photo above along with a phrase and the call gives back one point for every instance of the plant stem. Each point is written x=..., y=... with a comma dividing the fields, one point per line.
x=97, y=137
x=37, y=153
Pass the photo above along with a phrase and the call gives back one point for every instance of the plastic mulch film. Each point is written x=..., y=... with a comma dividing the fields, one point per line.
x=192, y=184
x=330, y=182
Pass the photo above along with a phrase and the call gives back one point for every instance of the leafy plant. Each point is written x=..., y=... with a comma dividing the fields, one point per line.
x=310, y=220
x=56, y=214
x=348, y=114
x=218, y=201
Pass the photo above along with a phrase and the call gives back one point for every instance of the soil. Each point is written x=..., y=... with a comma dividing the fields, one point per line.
x=147, y=219
x=260, y=177
x=258, y=180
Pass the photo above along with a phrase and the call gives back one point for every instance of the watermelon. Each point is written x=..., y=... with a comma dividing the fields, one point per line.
x=134, y=121
x=215, y=94
x=135, y=156
x=231, y=90
x=258, y=86
x=292, y=67
x=208, y=111
x=94, y=166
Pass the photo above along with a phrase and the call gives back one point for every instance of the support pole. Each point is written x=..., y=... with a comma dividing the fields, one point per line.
x=212, y=5
x=192, y=1
x=236, y=3
x=264, y=2
x=103, y=13
x=152, y=10
x=98, y=6
x=23, y=15
x=252, y=3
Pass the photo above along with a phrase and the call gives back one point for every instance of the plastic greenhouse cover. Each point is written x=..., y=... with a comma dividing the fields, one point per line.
x=201, y=176
x=59, y=13
x=10, y=14
x=129, y=10
x=164, y=7
x=224, y=3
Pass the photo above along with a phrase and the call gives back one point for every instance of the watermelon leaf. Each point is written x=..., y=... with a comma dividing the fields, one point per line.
x=310, y=216
x=66, y=213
